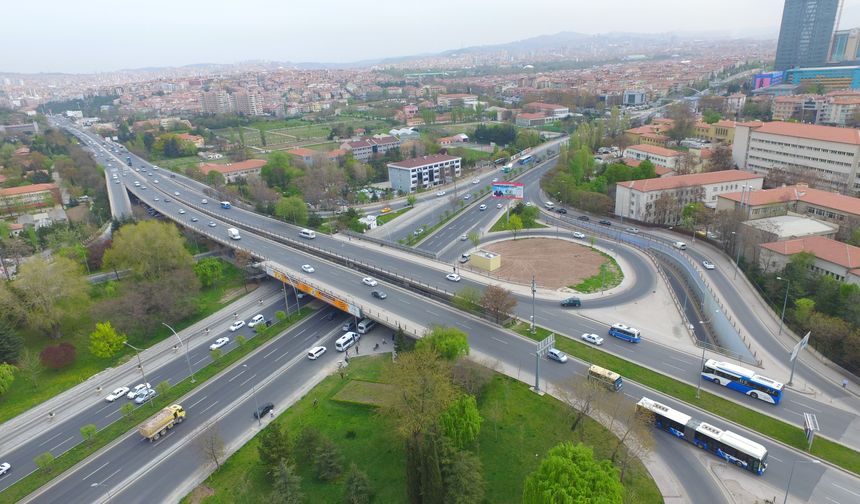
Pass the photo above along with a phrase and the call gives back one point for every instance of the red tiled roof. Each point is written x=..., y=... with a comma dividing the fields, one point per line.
x=817, y=197
x=250, y=164
x=303, y=152
x=810, y=131
x=832, y=251
x=631, y=162
x=423, y=160
x=27, y=189
x=526, y=115
x=694, y=179
x=654, y=149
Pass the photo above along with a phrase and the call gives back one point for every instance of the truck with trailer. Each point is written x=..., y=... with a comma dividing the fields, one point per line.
x=158, y=425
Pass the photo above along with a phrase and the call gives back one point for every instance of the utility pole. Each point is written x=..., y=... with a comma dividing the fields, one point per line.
x=139, y=365
x=533, y=303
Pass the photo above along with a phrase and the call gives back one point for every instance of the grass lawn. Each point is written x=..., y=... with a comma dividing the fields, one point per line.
x=23, y=396
x=528, y=425
x=610, y=276
x=390, y=216
x=502, y=225
x=179, y=164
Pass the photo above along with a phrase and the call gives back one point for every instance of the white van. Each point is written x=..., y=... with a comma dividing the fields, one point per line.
x=549, y=205
x=679, y=245
x=234, y=233
x=347, y=340
x=366, y=325
x=307, y=233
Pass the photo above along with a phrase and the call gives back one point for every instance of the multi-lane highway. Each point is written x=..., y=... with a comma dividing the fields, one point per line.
x=406, y=306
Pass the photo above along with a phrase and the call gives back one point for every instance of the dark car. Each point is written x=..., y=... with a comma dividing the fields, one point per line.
x=379, y=294
x=562, y=210
x=571, y=302
x=264, y=410
x=583, y=217
x=604, y=222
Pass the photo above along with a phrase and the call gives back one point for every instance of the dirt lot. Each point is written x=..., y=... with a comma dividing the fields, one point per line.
x=554, y=263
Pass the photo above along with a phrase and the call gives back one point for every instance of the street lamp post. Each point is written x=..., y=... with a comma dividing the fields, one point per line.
x=256, y=406
x=185, y=344
x=699, y=386
x=139, y=364
x=533, y=304
x=784, y=303
x=791, y=475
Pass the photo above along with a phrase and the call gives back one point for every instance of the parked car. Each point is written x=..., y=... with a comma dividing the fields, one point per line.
x=204, y=201
x=378, y=294
x=369, y=281
x=316, y=352
x=464, y=258
x=708, y=265
x=463, y=237
x=453, y=277
x=499, y=205
x=592, y=338
x=235, y=326
x=137, y=388
x=220, y=342
x=467, y=197
x=556, y=355
x=116, y=394
x=263, y=410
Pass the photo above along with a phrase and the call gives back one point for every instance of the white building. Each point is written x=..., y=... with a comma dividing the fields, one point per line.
x=661, y=200
x=839, y=107
x=660, y=156
x=831, y=153
x=423, y=172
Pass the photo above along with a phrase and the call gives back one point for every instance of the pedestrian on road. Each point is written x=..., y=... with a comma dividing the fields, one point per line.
x=272, y=413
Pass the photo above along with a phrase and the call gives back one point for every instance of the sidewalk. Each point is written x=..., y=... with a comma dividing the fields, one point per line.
x=16, y=431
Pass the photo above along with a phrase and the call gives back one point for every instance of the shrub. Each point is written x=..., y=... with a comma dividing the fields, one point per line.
x=58, y=356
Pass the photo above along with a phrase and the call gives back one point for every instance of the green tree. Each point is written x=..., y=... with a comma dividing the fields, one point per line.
x=306, y=445
x=646, y=170
x=7, y=376
x=163, y=387
x=31, y=366
x=529, y=215
x=328, y=462
x=463, y=477
x=711, y=116
x=105, y=342
x=150, y=249
x=449, y=342
x=88, y=431
x=127, y=410
x=286, y=485
x=515, y=224
x=274, y=447
x=10, y=342
x=411, y=199
x=683, y=121
x=569, y=473
x=803, y=310
x=474, y=237
x=209, y=271
x=292, y=209
x=461, y=422
x=45, y=462
x=357, y=489
x=216, y=354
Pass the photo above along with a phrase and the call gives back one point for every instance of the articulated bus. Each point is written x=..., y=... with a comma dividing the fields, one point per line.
x=626, y=333
x=727, y=445
x=743, y=380
x=609, y=379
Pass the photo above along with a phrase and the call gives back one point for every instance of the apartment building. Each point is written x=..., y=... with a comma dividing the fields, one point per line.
x=423, y=172
x=722, y=131
x=548, y=109
x=247, y=103
x=457, y=100
x=830, y=153
x=660, y=200
x=660, y=156
x=735, y=103
x=233, y=171
x=530, y=120
x=16, y=200
x=365, y=148
x=839, y=108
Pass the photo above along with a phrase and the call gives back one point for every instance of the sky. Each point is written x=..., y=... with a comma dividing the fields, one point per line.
x=103, y=36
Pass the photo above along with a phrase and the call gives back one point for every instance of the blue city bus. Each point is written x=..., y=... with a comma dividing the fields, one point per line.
x=733, y=448
x=621, y=331
x=743, y=380
x=526, y=159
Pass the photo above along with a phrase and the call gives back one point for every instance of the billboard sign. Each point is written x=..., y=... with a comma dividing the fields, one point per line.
x=508, y=190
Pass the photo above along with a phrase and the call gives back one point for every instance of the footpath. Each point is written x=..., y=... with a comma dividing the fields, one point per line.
x=66, y=405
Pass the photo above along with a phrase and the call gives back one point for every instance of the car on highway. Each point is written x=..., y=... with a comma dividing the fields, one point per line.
x=219, y=342
x=440, y=193
x=235, y=326
x=176, y=193
x=116, y=394
x=155, y=181
x=499, y=205
x=604, y=222
x=562, y=211
x=495, y=179
x=577, y=234
x=467, y=197
x=583, y=218
x=137, y=388
x=263, y=410
x=166, y=200
x=348, y=326
x=571, y=302
x=378, y=294
x=194, y=219
x=482, y=207
x=181, y=211
x=463, y=237
x=385, y=210
x=143, y=188
x=556, y=355
x=369, y=281
x=708, y=265
x=156, y=198
x=476, y=181
x=453, y=277
x=632, y=230
x=592, y=338
x=116, y=181
x=204, y=201
x=144, y=395
x=256, y=320
x=316, y=352
x=212, y=224
x=307, y=268
x=5, y=467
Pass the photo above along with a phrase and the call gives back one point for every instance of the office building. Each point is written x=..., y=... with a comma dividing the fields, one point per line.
x=829, y=78
x=423, y=172
x=805, y=33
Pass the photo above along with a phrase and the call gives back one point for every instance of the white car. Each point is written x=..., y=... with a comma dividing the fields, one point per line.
x=181, y=211
x=453, y=277
x=440, y=193
x=463, y=237
x=708, y=265
x=235, y=326
x=482, y=207
x=5, y=467
x=315, y=352
x=256, y=320
x=495, y=179
x=592, y=338
x=212, y=224
x=176, y=193
x=467, y=197
x=220, y=342
x=155, y=181
x=577, y=234
x=156, y=199
x=632, y=230
x=307, y=268
x=499, y=205
x=116, y=394
x=137, y=388
x=204, y=201
x=369, y=281
x=476, y=181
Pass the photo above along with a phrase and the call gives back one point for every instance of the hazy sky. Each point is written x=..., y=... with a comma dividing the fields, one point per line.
x=81, y=36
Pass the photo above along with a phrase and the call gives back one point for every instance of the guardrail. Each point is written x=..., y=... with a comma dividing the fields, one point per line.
x=386, y=243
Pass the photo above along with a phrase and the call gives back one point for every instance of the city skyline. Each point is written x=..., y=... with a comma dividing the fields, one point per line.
x=109, y=37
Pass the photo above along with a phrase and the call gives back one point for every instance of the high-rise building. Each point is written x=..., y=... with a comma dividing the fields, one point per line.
x=805, y=33
x=845, y=46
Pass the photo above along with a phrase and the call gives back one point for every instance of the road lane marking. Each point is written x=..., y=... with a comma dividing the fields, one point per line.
x=805, y=406
x=831, y=500
x=237, y=375
x=670, y=365
x=204, y=398
x=201, y=360
x=51, y=438
x=249, y=379
x=500, y=340
x=845, y=489
x=207, y=408
x=679, y=360
x=772, y=457
x=271, y=352
x=281, y=357
x=791, y=410
x=62, y=443
x=431, y=312
x=97, y=470
x=108, y=405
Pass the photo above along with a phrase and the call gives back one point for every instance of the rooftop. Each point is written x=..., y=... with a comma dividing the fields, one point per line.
x=250, y=164
x=832, y=251
x=27, y=189
x=654, y=149
x=423, y=160
x=694, y=179
x=793, y=226
x=800, y=192
x=809, y=131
